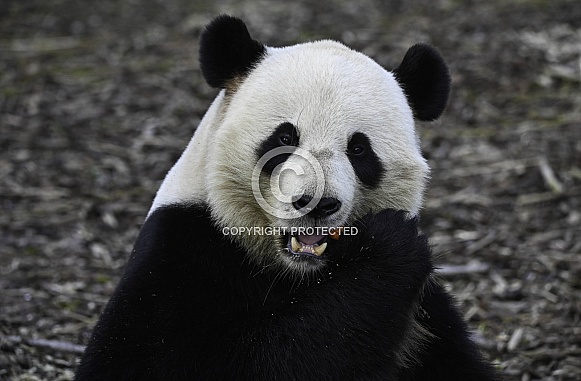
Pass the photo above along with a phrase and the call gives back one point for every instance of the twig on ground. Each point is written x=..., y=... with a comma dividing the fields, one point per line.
x=469, y=268
x=61, y=346
x=549, y=176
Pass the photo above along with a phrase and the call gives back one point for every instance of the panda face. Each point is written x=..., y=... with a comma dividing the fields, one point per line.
x=341, y=140
x=309, y=136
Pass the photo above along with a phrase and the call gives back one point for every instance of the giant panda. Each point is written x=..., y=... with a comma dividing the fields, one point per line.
x=283, y=244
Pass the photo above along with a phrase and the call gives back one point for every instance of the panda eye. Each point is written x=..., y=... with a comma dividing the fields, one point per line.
x=357, y=150
x=285, y=139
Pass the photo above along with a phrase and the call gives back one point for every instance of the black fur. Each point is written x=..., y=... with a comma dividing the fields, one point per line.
x=285, y=134
x=425, y=79
x=191, y=307
x=366, y=164
x=227, y=51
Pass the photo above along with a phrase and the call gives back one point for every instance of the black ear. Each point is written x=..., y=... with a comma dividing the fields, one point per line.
x=425, y=79
x=227, y=51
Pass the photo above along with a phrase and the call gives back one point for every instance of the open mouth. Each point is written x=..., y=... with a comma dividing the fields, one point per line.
x=309, y=245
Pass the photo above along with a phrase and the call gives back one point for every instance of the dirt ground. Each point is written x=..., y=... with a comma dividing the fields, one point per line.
x=98, y=99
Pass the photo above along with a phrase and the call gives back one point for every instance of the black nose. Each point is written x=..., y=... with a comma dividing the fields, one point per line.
x=325, y=207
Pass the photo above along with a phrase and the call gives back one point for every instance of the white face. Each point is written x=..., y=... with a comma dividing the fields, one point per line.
x=352, y=149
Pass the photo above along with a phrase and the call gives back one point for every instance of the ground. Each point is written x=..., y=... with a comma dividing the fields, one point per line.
x=98, y=99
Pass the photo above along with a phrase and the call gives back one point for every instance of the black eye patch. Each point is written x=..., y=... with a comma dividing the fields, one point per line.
x=286, y=134
x=365, y=162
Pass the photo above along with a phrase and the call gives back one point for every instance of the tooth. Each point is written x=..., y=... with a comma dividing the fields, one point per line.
x=319, y=250
x=295, y=245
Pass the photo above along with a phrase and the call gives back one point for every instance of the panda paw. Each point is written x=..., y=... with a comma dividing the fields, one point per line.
x=386, y=246
x=387, y=233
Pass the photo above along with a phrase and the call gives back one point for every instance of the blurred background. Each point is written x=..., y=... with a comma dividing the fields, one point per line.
x=98, y=100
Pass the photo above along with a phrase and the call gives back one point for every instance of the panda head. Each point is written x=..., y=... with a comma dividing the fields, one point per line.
x=307, y=136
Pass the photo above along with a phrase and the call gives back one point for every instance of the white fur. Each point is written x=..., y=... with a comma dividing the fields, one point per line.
x=329, y=92
x=185, y=183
